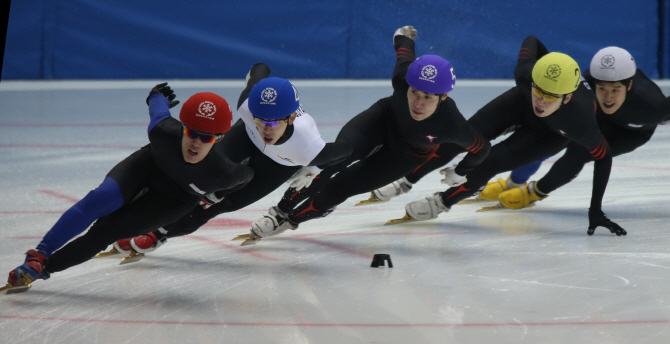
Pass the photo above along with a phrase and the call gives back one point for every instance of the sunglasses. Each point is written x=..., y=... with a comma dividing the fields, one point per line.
x=205, y=138
x=272, y=124
x=548, y=97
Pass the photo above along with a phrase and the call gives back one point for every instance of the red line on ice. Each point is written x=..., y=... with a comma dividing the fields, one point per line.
x=58, y=195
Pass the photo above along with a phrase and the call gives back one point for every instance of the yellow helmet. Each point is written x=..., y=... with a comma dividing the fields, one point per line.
x=557, y=73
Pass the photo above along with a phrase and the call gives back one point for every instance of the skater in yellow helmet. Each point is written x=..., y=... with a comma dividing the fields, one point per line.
x=548, y=108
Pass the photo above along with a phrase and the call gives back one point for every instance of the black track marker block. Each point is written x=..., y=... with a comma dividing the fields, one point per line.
x=378, y=260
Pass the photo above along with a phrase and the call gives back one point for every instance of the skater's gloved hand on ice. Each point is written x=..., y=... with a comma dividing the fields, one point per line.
x=210, y=200
x=451, y=178
x=304, y=177
x=598, y=218
x=407, y=31
x=166, y=91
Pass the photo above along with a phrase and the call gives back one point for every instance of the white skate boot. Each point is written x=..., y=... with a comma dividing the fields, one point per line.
x=422, y=210
x=273, y=223
x=385, y=193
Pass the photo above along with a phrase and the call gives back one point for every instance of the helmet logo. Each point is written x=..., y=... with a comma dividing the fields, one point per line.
x=268, y=96
x=297, y=97
x=553, y=72
x=206, y=109
x=428, y=73
x=607, y=61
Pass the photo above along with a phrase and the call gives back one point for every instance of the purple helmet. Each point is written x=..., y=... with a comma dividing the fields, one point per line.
x=431, y=74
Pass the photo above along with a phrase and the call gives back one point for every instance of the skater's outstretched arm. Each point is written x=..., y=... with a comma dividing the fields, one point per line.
x=257, y=72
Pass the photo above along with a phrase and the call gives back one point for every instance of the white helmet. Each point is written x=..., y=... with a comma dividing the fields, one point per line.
x=613, y=64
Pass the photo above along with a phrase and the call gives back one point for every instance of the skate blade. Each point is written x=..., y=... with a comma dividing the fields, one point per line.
x=372, y=200
x=248, y=239
x=473, y=200
x=22, y=285
x=500, y=206
x=113, y=251
x=242, y=237
x=405, y=218
x=133, y=257
x=15, y=289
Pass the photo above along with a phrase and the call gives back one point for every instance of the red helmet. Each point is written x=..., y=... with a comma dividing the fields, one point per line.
x=206, y=112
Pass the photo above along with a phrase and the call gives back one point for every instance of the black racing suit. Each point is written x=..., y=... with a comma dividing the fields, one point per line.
x=268, y=174
x=536, y=137
x=630, y=127
x=158, y=187
x=388, y=144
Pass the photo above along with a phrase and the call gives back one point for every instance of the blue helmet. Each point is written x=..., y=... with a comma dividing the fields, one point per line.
x=273, y=98
x=431, y=74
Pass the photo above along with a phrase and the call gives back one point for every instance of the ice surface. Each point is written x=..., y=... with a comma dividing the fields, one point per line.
x=530, y=276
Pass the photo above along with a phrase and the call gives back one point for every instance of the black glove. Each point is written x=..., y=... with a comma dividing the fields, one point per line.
x=166, y=91
x=210, y=200
x=598, y=218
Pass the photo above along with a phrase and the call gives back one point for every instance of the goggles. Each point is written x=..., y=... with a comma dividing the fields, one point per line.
x=205, y=138
x=273, y=124
x=548, y=97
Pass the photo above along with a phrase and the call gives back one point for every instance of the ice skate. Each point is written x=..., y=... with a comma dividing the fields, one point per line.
x=385, y=193
x=249, y=239
x=498, y=207
x=20, y=285
x=111, y=252
x=422, y=210
x=517, y=198
x=404, y=219
x=20, y=279
x=372, y=200
x=493, y=191
x=521, y=197
x=119, y=247
x=273, y=223
x=134, y=256
x=145, y=243
x=476, y=199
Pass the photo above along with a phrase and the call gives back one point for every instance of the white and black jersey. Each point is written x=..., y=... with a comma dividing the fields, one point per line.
x=299, y=150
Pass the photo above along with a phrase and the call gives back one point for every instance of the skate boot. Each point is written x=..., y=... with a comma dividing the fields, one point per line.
x=121, y=246
x=145, y=243
x=385, y=193
x=493, y=190
x=422, y=210
x=149, y=242
x=273, y=223
x=518, y=198
x=32, y=269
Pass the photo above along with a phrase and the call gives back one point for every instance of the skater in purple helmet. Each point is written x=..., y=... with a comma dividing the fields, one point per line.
x=550, y=107
x=395, y=136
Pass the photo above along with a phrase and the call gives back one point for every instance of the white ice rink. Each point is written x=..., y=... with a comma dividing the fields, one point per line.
x=526, y=276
